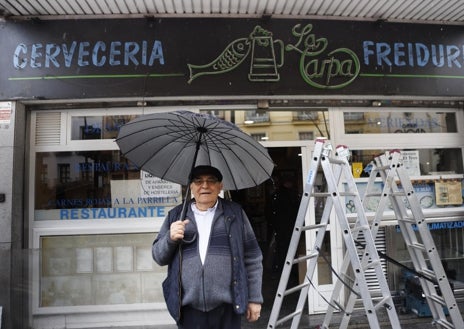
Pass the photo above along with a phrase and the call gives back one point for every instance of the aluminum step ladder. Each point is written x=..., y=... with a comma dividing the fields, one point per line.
x=430, y=270
x=421, y=247
x=388, y=177
x=334, y=168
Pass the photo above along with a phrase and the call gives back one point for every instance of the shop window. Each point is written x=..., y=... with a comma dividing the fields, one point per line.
x=305, y=135
x=98, y=185
x=257, y=116
x=99, y=270
x=259, y=137
x=305, y=115
x=400, y=122
x=282, y=125
x=448, y=239
x=418, y=161
x=97, y=127
x=353, y=116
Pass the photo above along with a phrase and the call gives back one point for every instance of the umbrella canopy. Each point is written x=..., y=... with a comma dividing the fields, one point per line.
x=168, y=145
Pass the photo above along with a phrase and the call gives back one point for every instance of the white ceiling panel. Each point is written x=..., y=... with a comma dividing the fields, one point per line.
x=432, y=11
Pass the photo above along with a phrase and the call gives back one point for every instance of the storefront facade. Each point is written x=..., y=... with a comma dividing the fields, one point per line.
x=83, y=218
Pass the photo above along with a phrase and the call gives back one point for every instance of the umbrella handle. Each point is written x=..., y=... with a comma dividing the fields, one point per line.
x=183, y=213
x=184, y=205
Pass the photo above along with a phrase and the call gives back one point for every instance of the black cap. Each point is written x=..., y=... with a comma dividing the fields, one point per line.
x=206, y=170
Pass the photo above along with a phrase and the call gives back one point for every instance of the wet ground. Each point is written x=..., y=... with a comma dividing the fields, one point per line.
x=358, y=318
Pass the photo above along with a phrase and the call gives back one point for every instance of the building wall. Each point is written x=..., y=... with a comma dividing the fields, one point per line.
x=13, y=267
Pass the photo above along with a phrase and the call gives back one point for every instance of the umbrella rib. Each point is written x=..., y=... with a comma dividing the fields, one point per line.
x=212, y=141
x=179, y=131
x=175, y=131
x=185, y=141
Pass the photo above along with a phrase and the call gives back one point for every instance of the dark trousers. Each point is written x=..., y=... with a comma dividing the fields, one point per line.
x=222, y=317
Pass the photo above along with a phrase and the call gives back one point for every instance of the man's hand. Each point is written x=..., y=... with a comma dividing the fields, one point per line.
x=177, y=230
x=253, y=312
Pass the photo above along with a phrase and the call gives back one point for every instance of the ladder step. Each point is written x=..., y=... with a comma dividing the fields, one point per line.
x=429, y=274
x=321, y=194
x=367, y=195
x=384, y=303
x=381, y=168
x=418, y=246
x=311, y=254
x=296, y=288
x=410, y=220
x=336, y=161
x=445, y=324
x=438, y=299
x=313, y=227
x=348, y=193
x=288, y=317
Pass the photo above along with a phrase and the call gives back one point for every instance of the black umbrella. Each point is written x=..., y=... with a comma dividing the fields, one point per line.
x=169, y=145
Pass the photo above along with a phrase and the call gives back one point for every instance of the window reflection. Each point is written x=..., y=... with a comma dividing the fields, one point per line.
x=420, y=161
x=399, y=122
x=288, y=125
x=98, y=185
x=79, y=179
x=97, y=127
x=448, y=239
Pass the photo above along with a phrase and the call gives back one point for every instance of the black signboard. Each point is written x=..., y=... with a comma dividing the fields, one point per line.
x=72, y=59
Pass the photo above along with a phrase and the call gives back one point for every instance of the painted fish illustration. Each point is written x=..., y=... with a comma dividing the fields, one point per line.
x=232, y=56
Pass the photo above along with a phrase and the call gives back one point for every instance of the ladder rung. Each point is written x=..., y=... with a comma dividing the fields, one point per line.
x=381, y=168
x=312, y=227
x=288, y=317
x=336, y=161
x=348, y=193
x=311, y=254
x=408, y=220
x=429, y=274
x=438, y=299
x=445, y=324
x=296, y=288
x=418, y=246
x=321, y=194
x=372, y=194
x=383, y=303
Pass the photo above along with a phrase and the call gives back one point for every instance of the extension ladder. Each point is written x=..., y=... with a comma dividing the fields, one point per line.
x=419, y=242
x=388, y=177
x=334, y=168
x=430, y=271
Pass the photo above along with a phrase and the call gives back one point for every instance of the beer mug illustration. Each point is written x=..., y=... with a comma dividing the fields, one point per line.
x=264, y=64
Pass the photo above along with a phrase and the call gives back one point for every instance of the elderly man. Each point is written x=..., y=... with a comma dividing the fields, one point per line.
x=215, y=263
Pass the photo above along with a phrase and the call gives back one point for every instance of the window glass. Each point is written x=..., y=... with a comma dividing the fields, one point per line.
x=288, y=125
x=448, y=239
x=417, y=162
x=99, y=270
x=97, y=127
x=399, y=122
x=98, y=185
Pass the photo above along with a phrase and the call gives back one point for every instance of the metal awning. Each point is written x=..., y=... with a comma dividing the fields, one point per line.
x=415, y=11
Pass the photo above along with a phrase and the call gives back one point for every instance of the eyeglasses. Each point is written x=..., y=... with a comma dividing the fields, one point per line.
x=208, y=181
